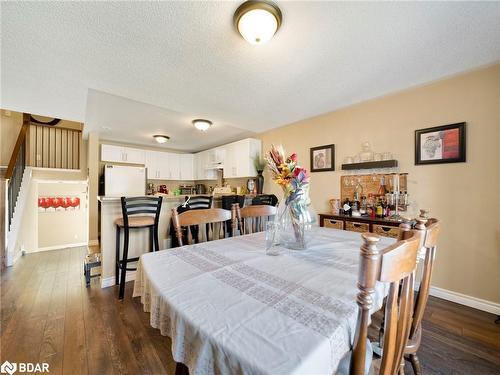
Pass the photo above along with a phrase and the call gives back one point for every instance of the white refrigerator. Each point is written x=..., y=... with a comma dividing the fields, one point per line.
x=123, y=181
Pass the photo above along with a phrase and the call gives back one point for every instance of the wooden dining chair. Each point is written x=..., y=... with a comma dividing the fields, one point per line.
x=210, y=224
x=252, y=219
x=429, y=229
x=396, y=266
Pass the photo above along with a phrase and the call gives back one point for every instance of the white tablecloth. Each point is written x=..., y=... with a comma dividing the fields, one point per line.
x=231, y=309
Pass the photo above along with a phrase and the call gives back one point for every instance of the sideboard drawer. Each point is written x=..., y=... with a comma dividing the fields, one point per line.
x=332, y=223
x=354, y=226
x=385, y=230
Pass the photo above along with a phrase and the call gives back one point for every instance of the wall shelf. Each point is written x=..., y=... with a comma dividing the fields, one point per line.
x=370, y=165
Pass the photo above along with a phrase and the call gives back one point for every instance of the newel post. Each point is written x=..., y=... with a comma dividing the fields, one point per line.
x=369, y=269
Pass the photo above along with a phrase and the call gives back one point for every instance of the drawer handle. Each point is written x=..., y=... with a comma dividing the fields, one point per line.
x=357, y=225
x=332, y=221
x=386, y=229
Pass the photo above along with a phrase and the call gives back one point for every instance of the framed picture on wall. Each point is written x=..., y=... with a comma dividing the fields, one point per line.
x=440, y=144
x=323, y=158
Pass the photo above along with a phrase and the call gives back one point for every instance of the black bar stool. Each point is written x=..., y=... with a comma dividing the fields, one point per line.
x=149, y=210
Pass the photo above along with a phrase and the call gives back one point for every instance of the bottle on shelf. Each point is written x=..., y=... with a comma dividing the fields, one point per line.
x=363, y=207
x=382, y=189
x=358, y=191
x=379, y=209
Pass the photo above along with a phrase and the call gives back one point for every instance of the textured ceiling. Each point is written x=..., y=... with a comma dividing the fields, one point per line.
x=186, y=57
x=118, y=118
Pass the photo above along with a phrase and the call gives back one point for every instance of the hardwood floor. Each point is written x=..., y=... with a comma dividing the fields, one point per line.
x=48, y=315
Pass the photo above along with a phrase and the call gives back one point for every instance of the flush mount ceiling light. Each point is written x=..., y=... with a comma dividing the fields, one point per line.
x=161, y=138
x=202, y=124
x=257, y=21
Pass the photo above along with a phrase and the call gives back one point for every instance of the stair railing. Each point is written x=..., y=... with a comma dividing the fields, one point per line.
x=16, y=167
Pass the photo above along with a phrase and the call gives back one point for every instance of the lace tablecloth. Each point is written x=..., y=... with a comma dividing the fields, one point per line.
x=231, y=309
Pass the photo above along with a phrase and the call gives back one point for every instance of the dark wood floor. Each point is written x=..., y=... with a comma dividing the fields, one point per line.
x=47, y=315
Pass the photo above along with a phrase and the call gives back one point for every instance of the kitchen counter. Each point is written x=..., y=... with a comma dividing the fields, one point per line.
x=177, y=198
x=110, y=210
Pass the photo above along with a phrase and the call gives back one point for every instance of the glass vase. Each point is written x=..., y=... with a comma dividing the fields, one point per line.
x=295, y=220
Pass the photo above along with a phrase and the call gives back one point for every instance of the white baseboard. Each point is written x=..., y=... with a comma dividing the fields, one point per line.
x=58, y=247
x=93, y=243
x=110, y=281
x=463, y=299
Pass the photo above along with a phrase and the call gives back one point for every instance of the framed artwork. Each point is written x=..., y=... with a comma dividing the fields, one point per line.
x=323, y=158
x=440, y=144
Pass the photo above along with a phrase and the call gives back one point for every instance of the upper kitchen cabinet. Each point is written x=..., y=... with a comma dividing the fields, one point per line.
x=120, y=154
x=239, y=158
x=156, y=165
x=186, y=164
x=203, y=168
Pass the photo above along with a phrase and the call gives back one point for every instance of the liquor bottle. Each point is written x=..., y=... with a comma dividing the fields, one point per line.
x=362, y=209
x=380, y=209
x=358, y=191
x=382, y=190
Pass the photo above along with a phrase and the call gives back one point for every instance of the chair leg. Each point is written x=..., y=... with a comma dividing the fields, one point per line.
x=117, y=257
x=151, y=246
x=124, y=264
x=415, y=364
x=157, y=243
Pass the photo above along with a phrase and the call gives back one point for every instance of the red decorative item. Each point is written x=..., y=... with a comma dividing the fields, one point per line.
x=74, y=202
x=56, y=202
x=65, y=202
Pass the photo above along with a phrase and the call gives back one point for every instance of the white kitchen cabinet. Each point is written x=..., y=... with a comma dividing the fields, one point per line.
x=240, y=155
x=186, y=164
x=120, y=154
x=174, y=171
x=204, y=170
x=230, y=163
x=157, y=165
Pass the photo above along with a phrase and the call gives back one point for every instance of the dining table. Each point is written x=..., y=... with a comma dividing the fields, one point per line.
x=231, y=309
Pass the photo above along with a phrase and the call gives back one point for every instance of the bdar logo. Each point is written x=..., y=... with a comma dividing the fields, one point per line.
x=8, y=367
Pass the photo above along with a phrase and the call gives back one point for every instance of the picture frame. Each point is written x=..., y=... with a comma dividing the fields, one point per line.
x=441, y=144
x=323, y=158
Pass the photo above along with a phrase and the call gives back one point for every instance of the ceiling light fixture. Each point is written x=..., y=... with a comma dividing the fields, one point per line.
x=257, y=21
x=202, y=124
x=161, y=138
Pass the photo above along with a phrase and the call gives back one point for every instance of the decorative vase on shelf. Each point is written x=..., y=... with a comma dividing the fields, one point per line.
x=260, y=182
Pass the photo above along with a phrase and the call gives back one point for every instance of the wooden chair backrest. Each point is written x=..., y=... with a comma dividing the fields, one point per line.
x=396, y=266
x=150, y=206
x=252, y=219
x=429, y=229
x=210, y=222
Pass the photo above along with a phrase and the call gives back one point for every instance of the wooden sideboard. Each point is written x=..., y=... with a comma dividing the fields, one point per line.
x=382, y=227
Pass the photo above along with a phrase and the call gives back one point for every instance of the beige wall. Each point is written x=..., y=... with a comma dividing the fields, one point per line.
x=9, y=130
x=463, y=195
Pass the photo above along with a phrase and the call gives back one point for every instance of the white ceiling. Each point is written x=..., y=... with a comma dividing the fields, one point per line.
x=126, y=120
x=187, y=59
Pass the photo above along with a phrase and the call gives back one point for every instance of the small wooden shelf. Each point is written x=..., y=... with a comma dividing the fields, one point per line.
x=370, y=165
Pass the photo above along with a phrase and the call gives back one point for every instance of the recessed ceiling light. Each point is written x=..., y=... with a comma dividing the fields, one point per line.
x=257, y=21
x=202, y=124
x=161, y=138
